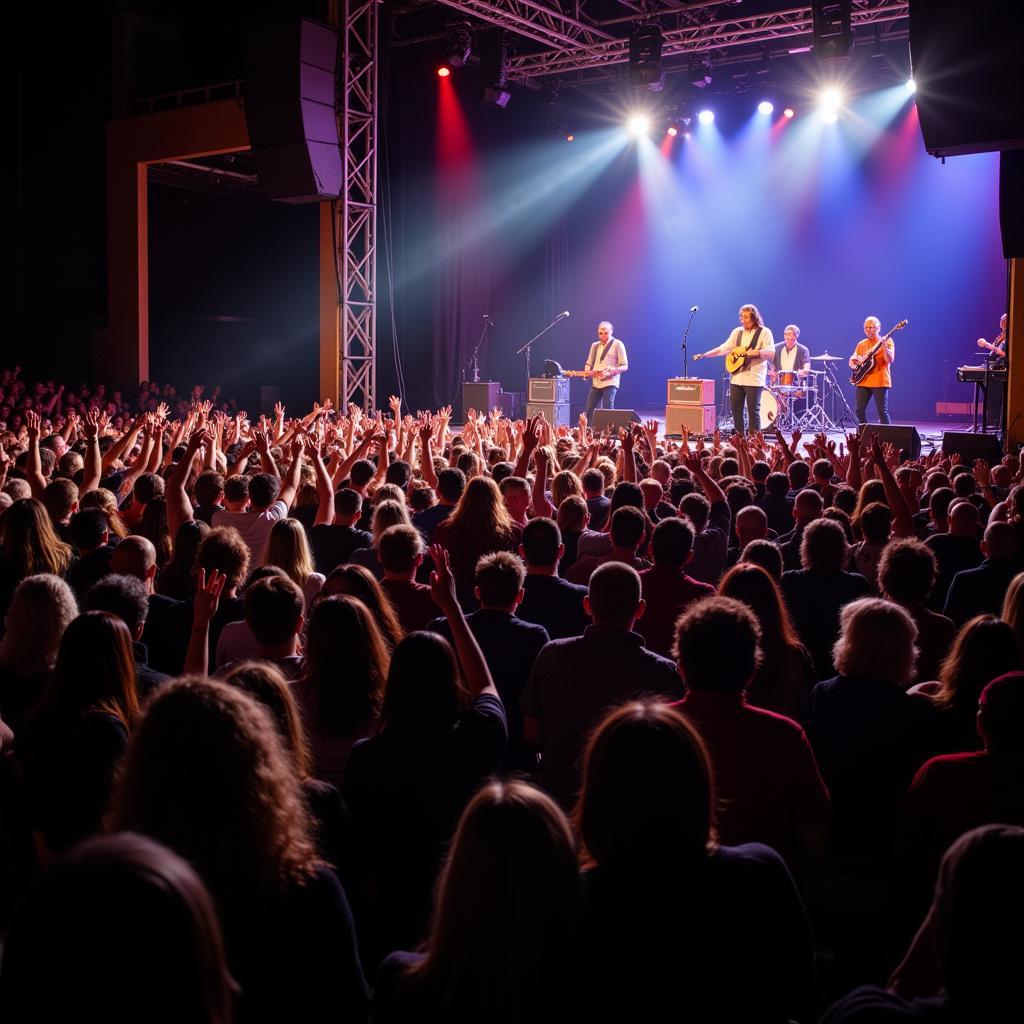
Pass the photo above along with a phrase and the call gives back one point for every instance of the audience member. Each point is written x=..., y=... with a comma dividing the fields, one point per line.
x=983, y=589
x=401, y=554
x=548, y=600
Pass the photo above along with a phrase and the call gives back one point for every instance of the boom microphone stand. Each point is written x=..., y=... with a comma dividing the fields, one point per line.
x=526, y=347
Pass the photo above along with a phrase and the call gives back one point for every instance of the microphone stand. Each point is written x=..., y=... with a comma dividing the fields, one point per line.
x=526, y=347
x=472, y=362
x=693, y=313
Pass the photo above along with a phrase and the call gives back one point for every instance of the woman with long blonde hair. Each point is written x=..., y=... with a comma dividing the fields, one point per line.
x=288, y=549
x=29, y=545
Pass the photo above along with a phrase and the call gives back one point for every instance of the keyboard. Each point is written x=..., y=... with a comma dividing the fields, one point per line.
x=981, y=375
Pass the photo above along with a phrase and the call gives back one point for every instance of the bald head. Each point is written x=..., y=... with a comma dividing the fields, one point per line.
x=134, y=556
x=751, y=524
x=963, y=518
x=1001, y=542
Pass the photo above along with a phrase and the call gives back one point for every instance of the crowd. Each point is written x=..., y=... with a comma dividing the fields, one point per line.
x=355, y=716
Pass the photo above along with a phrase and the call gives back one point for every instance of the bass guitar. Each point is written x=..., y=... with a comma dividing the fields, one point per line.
x=867, y=364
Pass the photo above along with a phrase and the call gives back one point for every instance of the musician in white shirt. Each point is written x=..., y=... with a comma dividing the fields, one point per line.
x=747, y=383
x=608, y=358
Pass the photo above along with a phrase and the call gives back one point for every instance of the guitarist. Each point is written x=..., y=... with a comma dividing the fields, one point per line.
x=606, y=361
x=878, y=382
x=754, y=342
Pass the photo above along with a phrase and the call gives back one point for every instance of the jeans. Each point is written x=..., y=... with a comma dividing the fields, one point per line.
x=600, y=398
x=881, y=403
x=751, y=395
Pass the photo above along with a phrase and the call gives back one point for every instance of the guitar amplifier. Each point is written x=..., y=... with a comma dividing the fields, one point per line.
x=698, y=419
x=690, y=391
x=548, y=389
x=556, y=413
x=480, y=395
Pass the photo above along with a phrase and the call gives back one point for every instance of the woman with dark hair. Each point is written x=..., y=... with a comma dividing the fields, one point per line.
x=29, y=545
x=357, y=581
x=119, y=930
x=479, y=524
x=716, y=932
x=786, y=673
x=506, y=941
x=154, y=527
x=208, y=776
x=72, y=743
x=177, y=578
x=442, y=731
x=985, y=648
x=342, y=682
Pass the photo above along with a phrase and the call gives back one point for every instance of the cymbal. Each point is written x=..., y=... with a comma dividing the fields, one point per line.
x=829, y=359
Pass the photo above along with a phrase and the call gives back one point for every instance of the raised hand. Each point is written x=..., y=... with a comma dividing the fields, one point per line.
x=207, y=595
x=442, y=582
x=32, y=422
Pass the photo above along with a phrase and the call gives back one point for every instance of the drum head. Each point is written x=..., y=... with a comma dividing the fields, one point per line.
x=769, y=410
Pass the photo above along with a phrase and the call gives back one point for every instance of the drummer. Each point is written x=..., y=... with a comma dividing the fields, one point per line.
x=790, y=358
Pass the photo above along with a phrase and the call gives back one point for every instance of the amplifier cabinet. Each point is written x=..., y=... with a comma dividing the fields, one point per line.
x=698, y=419
x=690, y=391
x=480, y=395
x=548, y=389
x=556, y=413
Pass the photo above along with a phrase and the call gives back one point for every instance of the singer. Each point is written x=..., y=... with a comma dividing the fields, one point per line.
x=606, y=363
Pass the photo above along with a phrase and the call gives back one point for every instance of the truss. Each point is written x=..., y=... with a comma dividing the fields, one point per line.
x=355, y=213
x=574, y=46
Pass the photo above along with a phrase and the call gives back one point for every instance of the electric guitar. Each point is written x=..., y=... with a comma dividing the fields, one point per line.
x=867, y=364
x=605, y=374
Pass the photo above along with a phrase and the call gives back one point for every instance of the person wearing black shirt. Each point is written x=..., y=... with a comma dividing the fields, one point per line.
x=549, y=600
x=334, y=542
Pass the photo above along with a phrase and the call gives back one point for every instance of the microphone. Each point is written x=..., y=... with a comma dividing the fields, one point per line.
x=695, y=309
x=488, y=319
x=562, y=316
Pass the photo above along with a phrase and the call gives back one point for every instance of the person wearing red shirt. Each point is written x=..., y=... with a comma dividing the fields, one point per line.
x=765, y=772
x=667, y=589
x=400, y=550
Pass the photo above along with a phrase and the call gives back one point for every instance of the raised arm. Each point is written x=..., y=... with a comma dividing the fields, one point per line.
x=426, y=433
x=204, y=607
x=442, y=588
x=324, y=487
x=179, y=507
x=710, y=487
x=539, y=502
x=291, y=481
x=34, y=464
x=902, y=521
x=91, y=472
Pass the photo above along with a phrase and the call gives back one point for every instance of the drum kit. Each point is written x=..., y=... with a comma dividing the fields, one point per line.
x=797, y=400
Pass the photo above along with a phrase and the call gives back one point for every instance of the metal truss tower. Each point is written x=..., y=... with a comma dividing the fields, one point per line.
x=355, y=212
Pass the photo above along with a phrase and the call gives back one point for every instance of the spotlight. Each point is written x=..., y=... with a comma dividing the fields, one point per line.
x=494, y=55
x=829, y=117
x=443, y=71
x=570, y=137
x=645, y=68
x=673, y=131
x=789, y=112
x=459, y=44
x=766, y=108
x=831, y=101
x=911, y=85
x=699, y=72
x=706, y=117
x=638, y=124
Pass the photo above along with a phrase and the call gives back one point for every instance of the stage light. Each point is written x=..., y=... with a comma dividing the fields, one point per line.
x=699, y=72
x=911, y=85
x=673, y=131
x=830, y=102
x=638, y=124
x=459, y=44
x=706, y=117
x=569, y=137
x=494, y=55
x=645, y=68
x=764, y=107
x=789, y=112
x=443, y=71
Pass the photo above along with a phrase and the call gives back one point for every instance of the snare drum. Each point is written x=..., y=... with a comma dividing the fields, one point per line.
x=786, y=378
x=769, y=410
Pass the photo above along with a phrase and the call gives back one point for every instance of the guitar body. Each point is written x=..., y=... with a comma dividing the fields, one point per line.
x=737, y=360
x=857, y=375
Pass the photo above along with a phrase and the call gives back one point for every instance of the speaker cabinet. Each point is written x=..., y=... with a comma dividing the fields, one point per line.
x=972, y=446
x=613, y=418
x=698, y=419
x=481, y=395
x=556, y=413
x=290, y=110
x=690, y=391
x=904, y=437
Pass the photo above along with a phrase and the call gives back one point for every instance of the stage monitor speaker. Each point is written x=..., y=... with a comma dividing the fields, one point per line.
x=690, y=391
x=698, y=419
x=972, y=446
x=903, y=436
x=967, y=68
x=613, y=418
x=482, y=395
x=290, y=111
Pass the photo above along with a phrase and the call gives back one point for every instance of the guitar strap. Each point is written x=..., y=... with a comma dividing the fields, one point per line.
x=754, y=343
x=601, y=357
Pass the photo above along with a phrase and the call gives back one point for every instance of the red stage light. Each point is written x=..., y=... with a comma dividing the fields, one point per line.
x=673, y=131
x=443, y=71
x=788, y=112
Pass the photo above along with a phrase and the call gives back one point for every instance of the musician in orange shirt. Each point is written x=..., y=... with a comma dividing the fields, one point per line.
x=878, y=382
